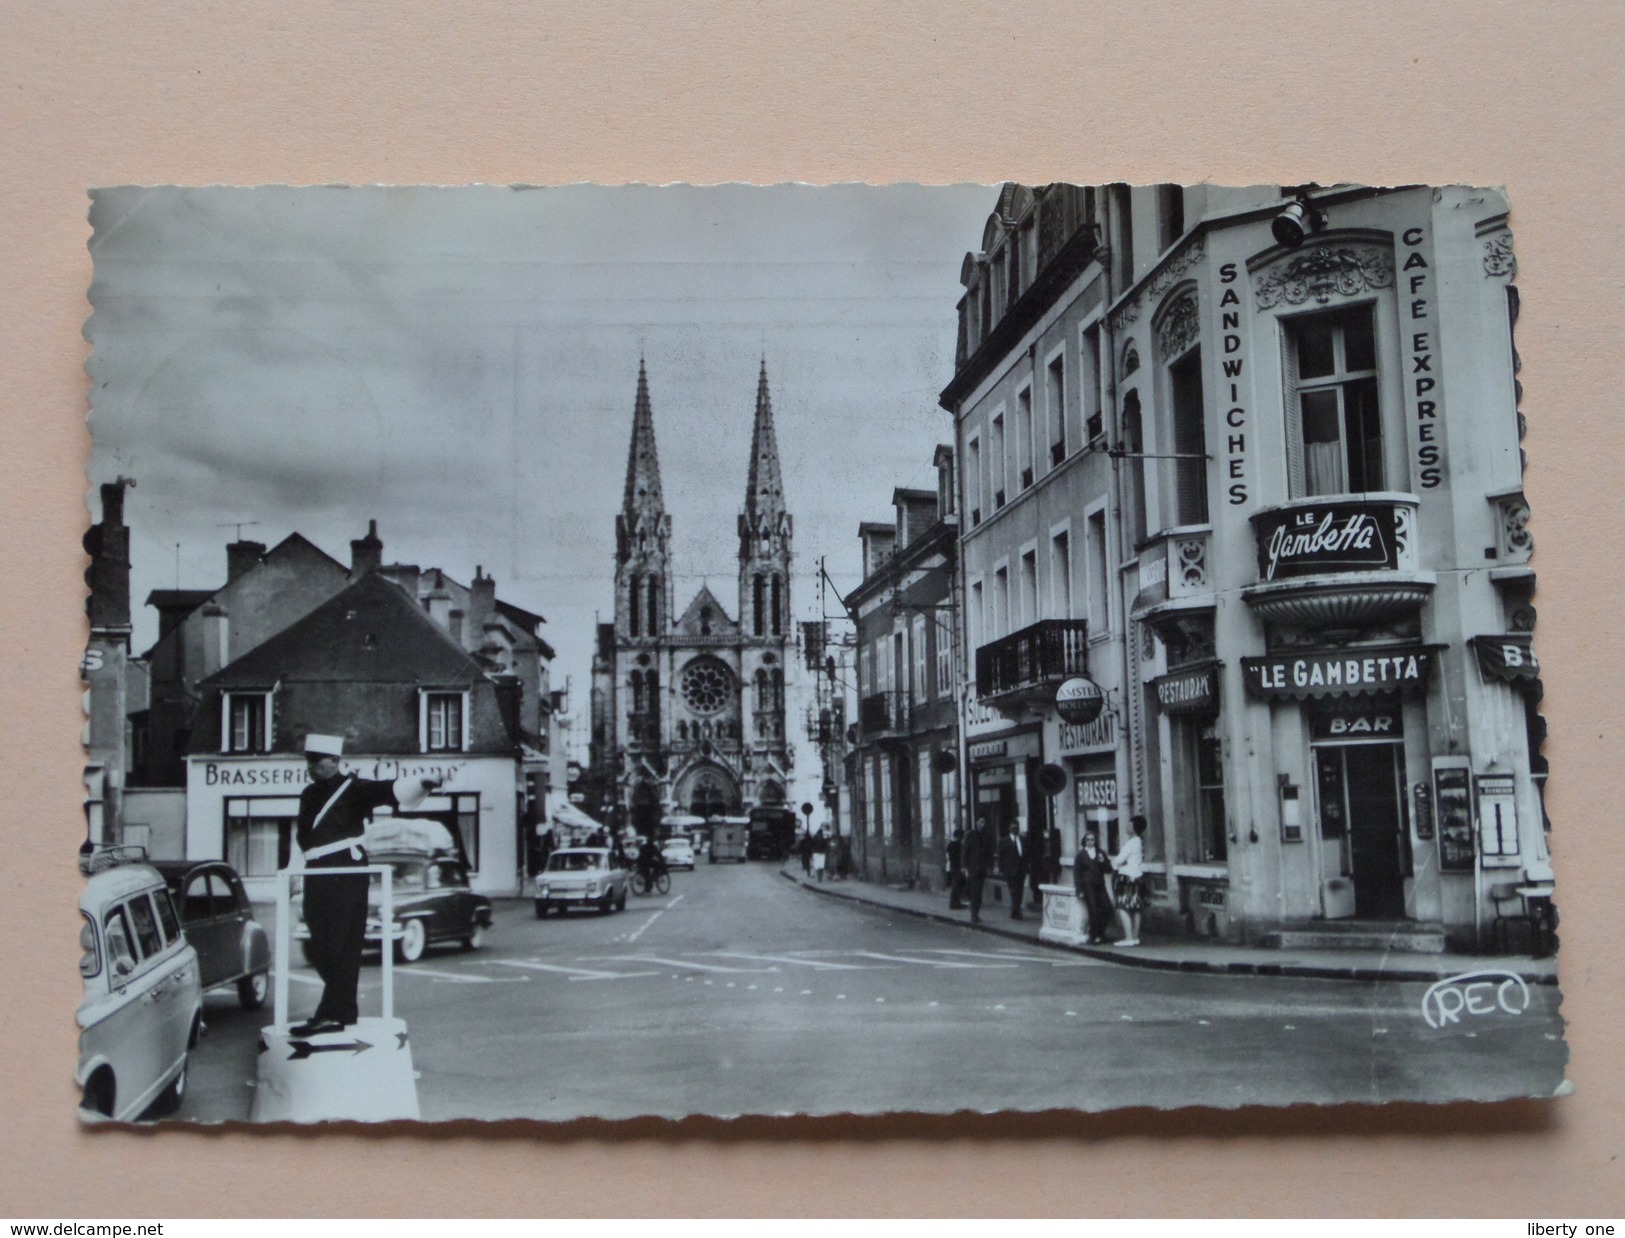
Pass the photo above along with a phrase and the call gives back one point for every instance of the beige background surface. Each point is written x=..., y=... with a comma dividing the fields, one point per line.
x=1524, y=95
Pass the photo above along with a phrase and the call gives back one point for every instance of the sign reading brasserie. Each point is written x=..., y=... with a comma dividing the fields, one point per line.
x=1340, y=673
x=1328, y=537
x=1098, y=791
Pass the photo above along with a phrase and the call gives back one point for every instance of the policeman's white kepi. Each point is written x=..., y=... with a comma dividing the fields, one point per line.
x=324, y=745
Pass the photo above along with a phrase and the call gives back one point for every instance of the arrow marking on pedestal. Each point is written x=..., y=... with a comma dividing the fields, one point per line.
x=304, y=1048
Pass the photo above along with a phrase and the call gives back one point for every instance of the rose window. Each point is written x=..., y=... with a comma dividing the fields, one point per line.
x=705, y=687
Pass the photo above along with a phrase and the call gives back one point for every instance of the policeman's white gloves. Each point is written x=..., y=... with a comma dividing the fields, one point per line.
x=410, y=792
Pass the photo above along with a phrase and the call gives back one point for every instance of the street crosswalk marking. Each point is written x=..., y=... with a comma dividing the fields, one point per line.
x=820, y=964
x=455, y=977
x=582, y=972
x=1003, y=955
x=901, y=958
x=650, y=958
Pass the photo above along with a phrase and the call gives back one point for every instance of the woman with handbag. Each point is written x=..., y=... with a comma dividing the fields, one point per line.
x=1129, y=886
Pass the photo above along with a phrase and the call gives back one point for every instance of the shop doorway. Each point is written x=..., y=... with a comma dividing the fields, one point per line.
x=1362, y=796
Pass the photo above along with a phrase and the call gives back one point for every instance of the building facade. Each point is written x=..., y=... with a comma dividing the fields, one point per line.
x=1315, y=584
x=905, y=760
x=689, y=707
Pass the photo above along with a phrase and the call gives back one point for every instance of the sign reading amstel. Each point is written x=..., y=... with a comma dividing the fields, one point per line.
x=1328, y=537
x=1338, y=673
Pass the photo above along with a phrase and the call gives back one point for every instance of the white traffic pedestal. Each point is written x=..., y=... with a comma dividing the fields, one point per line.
x=360, y=1074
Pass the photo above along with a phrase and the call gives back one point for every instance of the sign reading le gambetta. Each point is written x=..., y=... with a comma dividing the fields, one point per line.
x=1328, y=537
x=1329, y=674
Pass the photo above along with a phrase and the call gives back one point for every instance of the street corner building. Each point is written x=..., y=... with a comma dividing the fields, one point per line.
x=1247, y=461
x=422, y=675
x=688, y=708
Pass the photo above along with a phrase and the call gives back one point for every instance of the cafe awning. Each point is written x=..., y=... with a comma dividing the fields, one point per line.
x=1509, y=658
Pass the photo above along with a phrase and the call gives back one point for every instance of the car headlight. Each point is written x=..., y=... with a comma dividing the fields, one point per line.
x=544, y=890
x=592, y=888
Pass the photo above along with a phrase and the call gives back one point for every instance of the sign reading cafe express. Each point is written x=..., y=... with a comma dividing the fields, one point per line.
x=1328, y=537
x=1339, y=673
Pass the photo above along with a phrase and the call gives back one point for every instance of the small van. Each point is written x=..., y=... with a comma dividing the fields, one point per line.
x=730, y=838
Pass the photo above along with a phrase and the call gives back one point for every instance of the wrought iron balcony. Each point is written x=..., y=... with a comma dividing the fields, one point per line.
x=884, y=713
x=1033, y=660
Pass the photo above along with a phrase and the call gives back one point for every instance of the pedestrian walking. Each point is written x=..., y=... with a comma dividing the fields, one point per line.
x=1129, y=885
x=333, y=813
x=976, y=858
x=1090, y=870
x=820, y=855
x=1013, y=868
x=805, y=850
x=954, y=866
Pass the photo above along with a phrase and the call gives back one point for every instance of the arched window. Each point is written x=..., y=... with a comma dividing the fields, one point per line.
x=654, y=604
x=762, y=699
x=637, y=692
x=757, y=600
x=778, y=608
x=634, y=605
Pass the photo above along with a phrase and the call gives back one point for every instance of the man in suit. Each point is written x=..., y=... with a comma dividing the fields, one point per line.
x=976, y=857
x=954, y=871
x=1013, y=868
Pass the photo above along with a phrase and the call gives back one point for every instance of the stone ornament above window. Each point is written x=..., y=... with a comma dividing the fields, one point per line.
x=1322, y=273
x=1180, y=327
x=1498, y=257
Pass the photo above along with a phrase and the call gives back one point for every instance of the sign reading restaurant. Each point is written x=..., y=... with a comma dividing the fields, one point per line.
x=1339, y=673
x=1328, y=537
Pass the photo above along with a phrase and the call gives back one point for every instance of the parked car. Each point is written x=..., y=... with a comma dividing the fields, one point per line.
x=232, y=947
x=142, y=1011
x=678, y=852
x=581, y=877
x=432, y=904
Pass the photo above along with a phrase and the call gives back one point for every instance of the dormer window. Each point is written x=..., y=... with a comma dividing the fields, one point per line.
x=246, y=722
x=442, y=721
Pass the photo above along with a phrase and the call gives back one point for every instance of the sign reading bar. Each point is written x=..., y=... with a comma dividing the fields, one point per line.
x=1340, y=673
x=1328, y=537
x=1194, y=691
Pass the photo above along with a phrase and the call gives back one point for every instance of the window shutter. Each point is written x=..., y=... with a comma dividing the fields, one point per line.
x=1293, y=414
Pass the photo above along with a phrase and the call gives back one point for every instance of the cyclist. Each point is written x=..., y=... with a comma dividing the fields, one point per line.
x=650, y=863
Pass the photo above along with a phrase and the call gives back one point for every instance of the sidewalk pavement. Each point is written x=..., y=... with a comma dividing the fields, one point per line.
x=1187, y=954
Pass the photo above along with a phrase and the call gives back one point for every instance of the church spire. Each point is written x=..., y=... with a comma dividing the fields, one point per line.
x=764, y=493
x=642, y=462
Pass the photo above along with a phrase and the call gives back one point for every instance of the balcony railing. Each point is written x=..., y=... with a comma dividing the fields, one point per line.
x=1036, y=657
x=883, y=713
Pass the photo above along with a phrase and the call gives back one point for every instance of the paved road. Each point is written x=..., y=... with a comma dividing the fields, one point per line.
x=739, y=993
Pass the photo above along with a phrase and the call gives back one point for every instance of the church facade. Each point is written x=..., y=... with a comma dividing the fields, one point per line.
x=689, y=705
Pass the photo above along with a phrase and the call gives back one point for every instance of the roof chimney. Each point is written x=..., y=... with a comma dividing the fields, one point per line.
x=482, y=600
x=241, y=556
x=366, y=553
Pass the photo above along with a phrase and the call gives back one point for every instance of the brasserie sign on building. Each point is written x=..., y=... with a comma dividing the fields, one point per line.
x=1328, y=537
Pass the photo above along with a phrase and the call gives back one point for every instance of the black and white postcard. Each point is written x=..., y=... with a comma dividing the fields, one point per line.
x=625, y=651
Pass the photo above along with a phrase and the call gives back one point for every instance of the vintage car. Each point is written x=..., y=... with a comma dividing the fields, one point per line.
x=432, y=904
x=678, y=852
x=581, y=877
x=142, y=1011
x=232, y=947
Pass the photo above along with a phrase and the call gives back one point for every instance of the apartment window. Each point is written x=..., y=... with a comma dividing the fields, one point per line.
x=1055, y=407
x=922, y=684
x=1190, y=439
x=1001, y=601
x=1060, y=576
x=442, y=722
x=1199, y=794
x=247, y=717
x=1024, y=435
x=885, y=778
x=1099, y=601
x=997, y=462
x=1028, y=604
x=945, y=663
x=1134, y=448
x=973, y=481
x=1332, y=367
x=1094, y=424
x=977, y=616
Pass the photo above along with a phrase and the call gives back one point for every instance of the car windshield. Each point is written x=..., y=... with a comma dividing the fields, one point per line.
x=574, y=861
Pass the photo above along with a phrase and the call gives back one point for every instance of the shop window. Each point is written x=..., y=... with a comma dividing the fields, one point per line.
x=1335, y=437
x=259, y=835
x=247, y=718
x=443, y=723
x=1199, y=791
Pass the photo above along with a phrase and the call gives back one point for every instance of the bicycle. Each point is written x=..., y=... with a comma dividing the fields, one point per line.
x=645, y=882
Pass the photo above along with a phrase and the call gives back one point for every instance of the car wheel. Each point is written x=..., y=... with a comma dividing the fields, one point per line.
x=541, y=909
x=169, y=1100
x=620, y=900
x=605, y=903
x=409, y=946
x=251, y=990
x=476, y=936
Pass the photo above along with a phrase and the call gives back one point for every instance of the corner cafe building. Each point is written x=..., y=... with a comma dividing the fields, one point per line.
x=1336, y=715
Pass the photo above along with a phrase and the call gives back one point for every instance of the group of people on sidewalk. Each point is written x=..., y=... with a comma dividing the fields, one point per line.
x=1103, y=882
x=823, y=856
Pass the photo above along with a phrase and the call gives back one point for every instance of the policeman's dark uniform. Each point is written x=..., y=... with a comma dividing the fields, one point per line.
x=336, y=905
